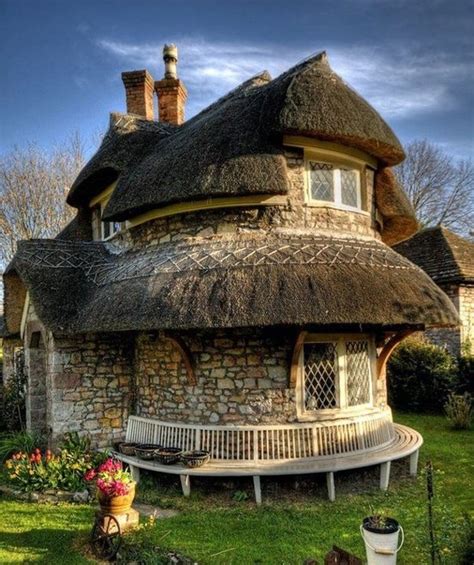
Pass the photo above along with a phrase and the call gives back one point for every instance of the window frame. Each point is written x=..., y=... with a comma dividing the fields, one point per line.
x=338, y=161
x=342, y=406
x=97, y=206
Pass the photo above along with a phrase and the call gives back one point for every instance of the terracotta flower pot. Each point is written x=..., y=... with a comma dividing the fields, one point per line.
x=116, y=504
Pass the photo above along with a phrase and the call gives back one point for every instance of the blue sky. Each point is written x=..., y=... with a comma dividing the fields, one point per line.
x=61, y=60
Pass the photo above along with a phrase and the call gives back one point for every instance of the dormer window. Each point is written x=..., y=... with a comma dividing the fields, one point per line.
x=336, y=184
x=103, y=230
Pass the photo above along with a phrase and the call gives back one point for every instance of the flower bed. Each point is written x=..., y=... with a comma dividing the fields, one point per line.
x=43, y=473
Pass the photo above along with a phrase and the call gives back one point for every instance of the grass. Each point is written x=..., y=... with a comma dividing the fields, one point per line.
x=292, y=525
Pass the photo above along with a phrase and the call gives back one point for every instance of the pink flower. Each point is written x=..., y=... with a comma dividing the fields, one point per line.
x=90, y=475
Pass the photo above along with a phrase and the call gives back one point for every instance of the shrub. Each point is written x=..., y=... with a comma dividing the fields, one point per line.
x=12, y=417
x=458, y=410
x=421, y=376
x=466, y=374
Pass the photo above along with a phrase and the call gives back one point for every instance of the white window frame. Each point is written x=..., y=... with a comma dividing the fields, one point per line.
x=115, y=227
x=337, y=184
x=341, y=378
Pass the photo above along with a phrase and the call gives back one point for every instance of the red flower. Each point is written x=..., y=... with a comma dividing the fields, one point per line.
x=90, y=475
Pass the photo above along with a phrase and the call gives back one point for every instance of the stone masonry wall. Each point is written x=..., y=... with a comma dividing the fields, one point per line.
x=295, y=215
x=242, y=378
x=449, y=338
x=90, y=385
x=466, y=313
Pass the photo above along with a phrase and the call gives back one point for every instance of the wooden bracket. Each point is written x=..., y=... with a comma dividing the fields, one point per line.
x=387, y=350
x=295, y=358
x=180, y=346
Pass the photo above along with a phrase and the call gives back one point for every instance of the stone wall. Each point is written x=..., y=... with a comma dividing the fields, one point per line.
x=296, y=214
x=451, y=338
x=90, y=385
x=466, y=313
x=242, y=377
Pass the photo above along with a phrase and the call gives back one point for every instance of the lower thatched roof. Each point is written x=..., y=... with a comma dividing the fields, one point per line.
x=284, y=279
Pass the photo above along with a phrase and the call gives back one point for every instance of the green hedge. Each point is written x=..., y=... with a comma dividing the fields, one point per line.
x=420, y=376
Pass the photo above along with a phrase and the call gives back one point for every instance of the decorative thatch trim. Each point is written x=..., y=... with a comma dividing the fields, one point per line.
x=234, y=147
x=399, y=220
x=244, y=282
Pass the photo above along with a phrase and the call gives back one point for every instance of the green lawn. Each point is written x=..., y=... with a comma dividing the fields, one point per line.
x=292, y=525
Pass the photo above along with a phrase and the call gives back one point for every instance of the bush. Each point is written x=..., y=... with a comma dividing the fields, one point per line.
x=12, y=417
x=458, y=410
x=420, y=376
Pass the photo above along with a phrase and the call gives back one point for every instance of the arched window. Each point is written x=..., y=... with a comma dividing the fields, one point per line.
x=336, y=373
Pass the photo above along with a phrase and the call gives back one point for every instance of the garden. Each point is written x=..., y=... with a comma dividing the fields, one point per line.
x=220, y=522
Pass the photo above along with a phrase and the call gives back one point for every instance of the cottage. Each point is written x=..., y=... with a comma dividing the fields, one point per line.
x=449, y=261
x=228, y=282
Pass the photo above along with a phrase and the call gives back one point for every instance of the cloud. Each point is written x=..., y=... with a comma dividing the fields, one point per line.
x=400, y=83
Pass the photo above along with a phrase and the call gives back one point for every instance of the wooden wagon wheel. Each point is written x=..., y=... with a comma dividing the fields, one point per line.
x=105, y=537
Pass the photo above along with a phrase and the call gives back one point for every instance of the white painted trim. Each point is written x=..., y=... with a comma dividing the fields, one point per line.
x=357, y=166
x=342, y=406
x=209, y=204
x=24, y=314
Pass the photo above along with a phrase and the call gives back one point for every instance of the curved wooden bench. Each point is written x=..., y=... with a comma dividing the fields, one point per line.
x=406, y=442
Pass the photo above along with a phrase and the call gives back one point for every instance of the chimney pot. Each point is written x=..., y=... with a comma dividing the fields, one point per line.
x=172, y=93
x=170, y=57
x=139, y=93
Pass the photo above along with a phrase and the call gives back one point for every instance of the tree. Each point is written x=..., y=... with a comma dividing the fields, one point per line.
x=33, y=188
x=440, y=189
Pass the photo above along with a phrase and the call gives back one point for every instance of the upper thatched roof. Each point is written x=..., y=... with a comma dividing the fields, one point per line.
x=234, y=147
x=285, y=279
x=445, y=256
x=399, y=219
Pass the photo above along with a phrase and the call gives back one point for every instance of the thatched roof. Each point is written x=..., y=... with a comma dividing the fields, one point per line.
x=234, y=147
x=445, y=256
x=399, y=219
x=246, y=281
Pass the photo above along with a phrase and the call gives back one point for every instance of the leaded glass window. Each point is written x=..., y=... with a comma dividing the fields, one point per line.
x=336, y=373
x=320, y=372
x=339, y=185
x=322, y=181
x=350, y=188
x=357, y=372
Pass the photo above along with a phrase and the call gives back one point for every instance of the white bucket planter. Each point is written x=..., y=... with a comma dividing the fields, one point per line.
x=381, y=544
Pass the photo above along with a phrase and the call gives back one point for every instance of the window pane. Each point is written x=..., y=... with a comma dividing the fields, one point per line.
x=358, y=372
x=349, y=187
x=107, y=231
x=322, y=181
x=320, y=373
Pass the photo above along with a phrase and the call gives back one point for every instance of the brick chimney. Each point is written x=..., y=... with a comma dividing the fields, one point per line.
x=172, y=93
x=139, y=93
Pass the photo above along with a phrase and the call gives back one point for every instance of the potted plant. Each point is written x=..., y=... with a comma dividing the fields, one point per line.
x=115, y=487
x=380, y=534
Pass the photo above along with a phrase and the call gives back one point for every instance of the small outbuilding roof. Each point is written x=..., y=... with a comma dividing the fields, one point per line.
x=445, y=256
x=244, y=281
x=233, y=147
